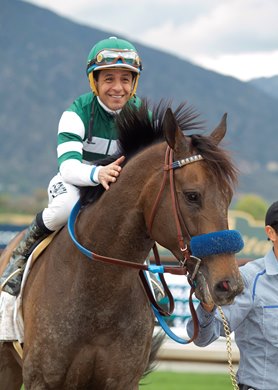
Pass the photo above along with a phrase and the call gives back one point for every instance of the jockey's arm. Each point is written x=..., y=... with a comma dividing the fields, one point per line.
x=73, y=169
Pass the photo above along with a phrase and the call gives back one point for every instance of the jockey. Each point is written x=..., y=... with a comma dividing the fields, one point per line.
x=86, y=133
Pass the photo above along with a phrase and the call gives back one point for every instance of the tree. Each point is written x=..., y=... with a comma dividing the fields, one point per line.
x=253, y=205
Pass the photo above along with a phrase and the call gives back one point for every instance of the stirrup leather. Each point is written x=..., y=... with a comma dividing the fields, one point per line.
x=10, y=277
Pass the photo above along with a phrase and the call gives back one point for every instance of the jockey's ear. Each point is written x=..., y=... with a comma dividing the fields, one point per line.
x=220, y=131
x=271, y=233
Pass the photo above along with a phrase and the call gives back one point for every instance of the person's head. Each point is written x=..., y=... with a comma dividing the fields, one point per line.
x=271, y=222
x=113, y=69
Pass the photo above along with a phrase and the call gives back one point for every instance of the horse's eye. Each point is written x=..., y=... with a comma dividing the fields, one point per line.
x=192, y=197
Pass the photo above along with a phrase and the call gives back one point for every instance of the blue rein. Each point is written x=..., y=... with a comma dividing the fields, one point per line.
x=71, y=222
x=93, y=256
x=226, y=241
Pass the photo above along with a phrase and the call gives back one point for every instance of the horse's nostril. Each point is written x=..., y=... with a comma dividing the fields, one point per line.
x=225, y=290
x=223, y=286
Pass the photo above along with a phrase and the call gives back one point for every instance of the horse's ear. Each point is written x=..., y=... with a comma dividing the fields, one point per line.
x=170, y=128
x=220, y=131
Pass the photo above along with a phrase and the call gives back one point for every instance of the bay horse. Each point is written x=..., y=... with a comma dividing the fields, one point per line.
x=88, y=324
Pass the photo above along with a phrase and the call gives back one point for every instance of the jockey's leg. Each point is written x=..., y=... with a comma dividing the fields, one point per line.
x=62, y=197
x=35, y=233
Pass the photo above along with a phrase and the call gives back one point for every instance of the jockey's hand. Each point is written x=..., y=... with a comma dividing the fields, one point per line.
x=109, y=173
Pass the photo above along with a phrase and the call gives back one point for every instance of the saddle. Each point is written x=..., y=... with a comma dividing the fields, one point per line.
x=11, y=319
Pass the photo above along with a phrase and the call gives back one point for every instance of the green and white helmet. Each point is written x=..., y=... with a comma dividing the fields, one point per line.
x=113, y=53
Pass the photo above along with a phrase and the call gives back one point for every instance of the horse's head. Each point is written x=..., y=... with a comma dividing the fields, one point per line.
x=203, y=190
x=189, y=201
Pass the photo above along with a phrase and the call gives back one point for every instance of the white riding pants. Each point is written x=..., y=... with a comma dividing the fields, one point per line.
x=61, y=199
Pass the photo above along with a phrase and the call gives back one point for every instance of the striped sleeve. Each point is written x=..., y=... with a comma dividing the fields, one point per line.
x=71, y=132
x=79, y=174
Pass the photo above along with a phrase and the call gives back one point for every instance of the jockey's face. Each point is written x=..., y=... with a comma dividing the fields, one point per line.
x=114, y=87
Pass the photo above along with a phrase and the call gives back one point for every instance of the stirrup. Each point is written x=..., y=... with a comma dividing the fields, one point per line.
x=158, y=289
x=10, y=277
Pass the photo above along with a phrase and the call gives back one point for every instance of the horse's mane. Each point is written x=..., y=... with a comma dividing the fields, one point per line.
x=219, y=161
x=141, y=127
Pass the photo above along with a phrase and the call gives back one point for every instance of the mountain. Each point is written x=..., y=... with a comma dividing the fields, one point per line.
x=267, y=84
x=43, y=60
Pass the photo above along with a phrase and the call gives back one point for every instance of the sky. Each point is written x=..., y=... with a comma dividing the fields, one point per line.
x=238, y=38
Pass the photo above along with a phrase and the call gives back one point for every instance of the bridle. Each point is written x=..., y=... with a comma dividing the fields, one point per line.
x=183, y=242
x=169, y=166
x=184, y=248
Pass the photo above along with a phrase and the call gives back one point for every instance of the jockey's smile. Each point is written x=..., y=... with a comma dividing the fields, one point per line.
x=114, y=87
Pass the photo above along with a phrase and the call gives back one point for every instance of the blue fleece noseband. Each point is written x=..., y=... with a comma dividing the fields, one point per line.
x=225, y=241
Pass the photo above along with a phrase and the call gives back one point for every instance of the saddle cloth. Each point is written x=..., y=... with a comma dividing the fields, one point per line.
x=11, y=319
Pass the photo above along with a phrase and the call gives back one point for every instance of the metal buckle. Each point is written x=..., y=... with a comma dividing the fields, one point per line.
x=198, y=262
x=182, y=262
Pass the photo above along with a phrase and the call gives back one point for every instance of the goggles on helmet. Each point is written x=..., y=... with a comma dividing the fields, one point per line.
x=113, y=56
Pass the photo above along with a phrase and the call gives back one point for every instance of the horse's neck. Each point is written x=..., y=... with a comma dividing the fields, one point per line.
x=115, y=233
x=115, y=225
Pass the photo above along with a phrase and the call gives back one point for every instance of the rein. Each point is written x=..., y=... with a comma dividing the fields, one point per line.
x=175, y=270
x=181, y=269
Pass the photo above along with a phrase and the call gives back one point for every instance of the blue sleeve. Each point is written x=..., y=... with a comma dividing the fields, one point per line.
x=210, y=324
x=209, y=327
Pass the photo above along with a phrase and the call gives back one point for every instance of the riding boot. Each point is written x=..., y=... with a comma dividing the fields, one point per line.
x=10, y=281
